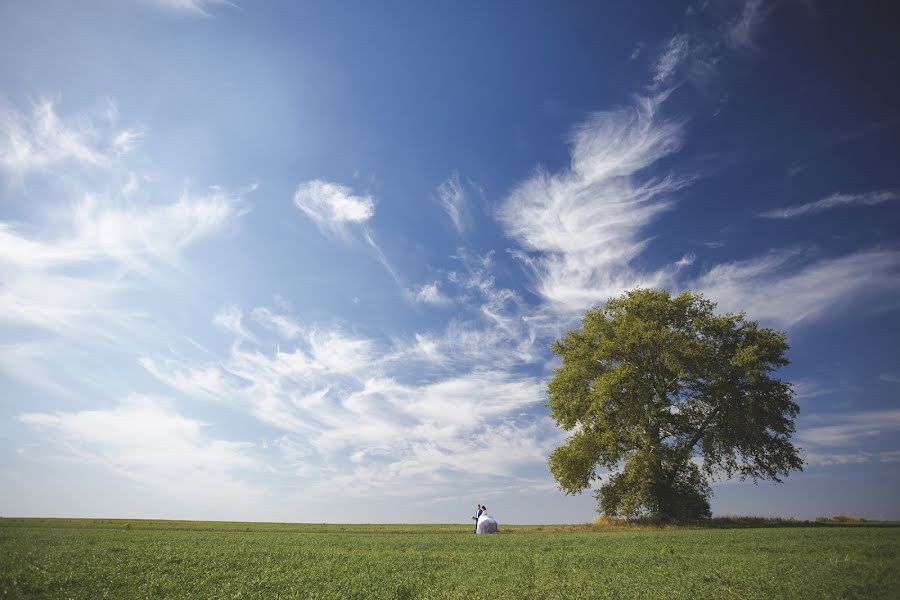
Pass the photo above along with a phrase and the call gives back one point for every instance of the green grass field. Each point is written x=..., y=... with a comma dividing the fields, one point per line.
x=50, y=558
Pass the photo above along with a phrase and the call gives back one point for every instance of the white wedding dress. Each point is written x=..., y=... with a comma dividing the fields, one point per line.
x=486, y=524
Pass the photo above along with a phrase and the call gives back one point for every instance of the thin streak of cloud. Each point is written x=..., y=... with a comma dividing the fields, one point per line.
x=636, y=53
x=189, y=7
x=783, y=290
x=455, y=200
x=382, y=259
x=849, y=429
x=285, y=326
x=742, y=31
x=42, y=140
x=833, y=201
x=806, y=390
x=830, y=459
x=676, y=52
x=123, y=234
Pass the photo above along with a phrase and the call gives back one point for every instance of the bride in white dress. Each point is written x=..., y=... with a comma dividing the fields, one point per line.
x=486, y=523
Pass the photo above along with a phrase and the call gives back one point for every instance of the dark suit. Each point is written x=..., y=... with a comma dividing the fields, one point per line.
x=477, y=514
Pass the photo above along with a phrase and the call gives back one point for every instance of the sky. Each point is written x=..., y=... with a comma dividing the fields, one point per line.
x=304, y=261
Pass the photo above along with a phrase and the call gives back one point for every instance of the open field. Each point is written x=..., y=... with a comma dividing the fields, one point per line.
x=57, y=558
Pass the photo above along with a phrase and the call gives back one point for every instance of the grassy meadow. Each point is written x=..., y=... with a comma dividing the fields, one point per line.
x=82, y=558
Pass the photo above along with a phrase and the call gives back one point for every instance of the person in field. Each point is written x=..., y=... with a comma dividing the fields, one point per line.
x=477, y=514
x=485, y=523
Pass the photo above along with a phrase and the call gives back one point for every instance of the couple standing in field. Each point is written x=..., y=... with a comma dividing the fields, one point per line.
x=484, y=523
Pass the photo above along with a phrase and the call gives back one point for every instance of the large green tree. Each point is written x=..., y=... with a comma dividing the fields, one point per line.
x=667, y=395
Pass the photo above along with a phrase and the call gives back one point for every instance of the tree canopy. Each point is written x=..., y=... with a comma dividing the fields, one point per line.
x=667, y=396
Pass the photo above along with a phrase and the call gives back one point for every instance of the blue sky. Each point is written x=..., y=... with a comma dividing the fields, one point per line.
x=303, y=261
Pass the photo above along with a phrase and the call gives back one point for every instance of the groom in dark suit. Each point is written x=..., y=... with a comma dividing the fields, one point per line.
x=478, y=512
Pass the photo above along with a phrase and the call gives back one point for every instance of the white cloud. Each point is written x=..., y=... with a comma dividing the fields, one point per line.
x=849, y=429
x=828, y=459
x=125, y=234
x=41, y=140
x=638, y=48
x=129, y=233
x=362, y=414
x=332, y=206
x=104, y=244
x=205, y=382
x=126, y=141
x=430, y=293
x=132, y=185
x=284, y=325
x=832, y=201
x=335, y=210
x=231, y=319
x=455, y=200
x=686, y=260
x=33, y=363
x=193, y=7
x=381, y=258
x=145, y=439
x=69, y=274
x=805, y=389
x=676, y=52
x=892, y=377
x=583, y=226
x=774, y=288
x=744, y=28
x=501, y=333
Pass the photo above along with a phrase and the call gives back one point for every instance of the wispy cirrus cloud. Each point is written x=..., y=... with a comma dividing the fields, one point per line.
x=285, y=326
x=231, y=319
x=849, y=438
x=104, y=243
x=582, y=227
x=42, y=139
x=494, y=328
x=581, y=230
x=849, y=429
x=429, y=293
x=806, y=389
x=205, y=382
x=191, y=7
x=455, y=201
x=34, y=363
x=356, y=406
x=833, y=201
x=145, y=439
x=743, y=29
x=829, y=459
x=676, y=52
x=337, y=211
x=786, y=289
x=636, y=53
x=332, y=206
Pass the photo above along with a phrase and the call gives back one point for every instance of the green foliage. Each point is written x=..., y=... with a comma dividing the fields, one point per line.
x=82, y=559
x=650, y=383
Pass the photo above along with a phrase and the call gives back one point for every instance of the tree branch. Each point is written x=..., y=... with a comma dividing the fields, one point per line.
x=686, y=451
x=702, y=429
